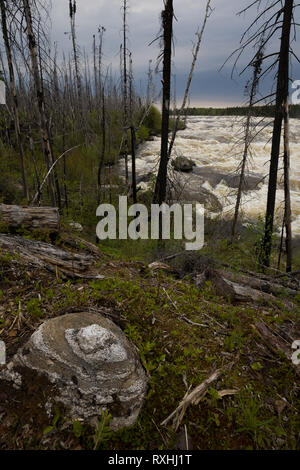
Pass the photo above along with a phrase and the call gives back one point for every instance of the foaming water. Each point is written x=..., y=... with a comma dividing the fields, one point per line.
x=216, y=143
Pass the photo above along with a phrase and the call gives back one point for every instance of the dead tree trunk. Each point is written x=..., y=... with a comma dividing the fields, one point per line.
x=125, y=85
x=190, y=77
x=7, y=44
x=161, y=181
x=103, y=150
x=281, y=98
x=133, y=134
x=257, y=70
x=287, y=194
x=75, y=54
x=40, y=96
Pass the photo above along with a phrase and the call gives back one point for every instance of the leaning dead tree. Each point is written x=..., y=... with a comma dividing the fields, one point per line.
x=248, y=137
x=195, y=52
x=287, y=192
x=161, y=181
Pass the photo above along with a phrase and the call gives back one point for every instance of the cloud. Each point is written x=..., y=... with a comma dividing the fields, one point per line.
x=222, y=35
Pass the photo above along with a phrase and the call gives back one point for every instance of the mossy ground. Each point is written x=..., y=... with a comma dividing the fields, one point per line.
x=156, y=310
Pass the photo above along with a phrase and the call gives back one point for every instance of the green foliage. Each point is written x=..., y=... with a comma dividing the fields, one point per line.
x=103, y=430
x=78, y=428
x=259, y=111
x=34, y=309
x=251, y=421
x=58, y=417
x=235, y=340
x=152, y=120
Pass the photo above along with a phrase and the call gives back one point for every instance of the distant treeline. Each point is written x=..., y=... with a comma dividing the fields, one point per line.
x=260, y=111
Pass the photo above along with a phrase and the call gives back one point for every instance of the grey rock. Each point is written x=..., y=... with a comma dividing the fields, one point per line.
x=187, y=190
x=183, y=164
x=92, y=365
x=214, y=177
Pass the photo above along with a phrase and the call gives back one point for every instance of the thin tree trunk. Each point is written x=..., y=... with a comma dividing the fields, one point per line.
x=40, y=96
x=190, y=77
x=125, y=95
x=287, y=194
x=133, y=134
x=161, y=181
x=15, y=97
x=75, y=54
x=254, y=85
x=281, y=98
x=102, y=157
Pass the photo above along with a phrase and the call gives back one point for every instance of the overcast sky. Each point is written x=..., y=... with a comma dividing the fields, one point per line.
x=224, y=28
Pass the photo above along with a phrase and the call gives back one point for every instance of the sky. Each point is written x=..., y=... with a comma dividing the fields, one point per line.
x=210, y=87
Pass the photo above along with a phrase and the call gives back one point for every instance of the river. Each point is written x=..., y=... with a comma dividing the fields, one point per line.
x=215, y=145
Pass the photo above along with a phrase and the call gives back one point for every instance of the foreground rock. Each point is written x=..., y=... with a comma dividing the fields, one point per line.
x=91, y=364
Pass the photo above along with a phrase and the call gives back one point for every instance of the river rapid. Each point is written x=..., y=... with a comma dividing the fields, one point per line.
x=215, y=145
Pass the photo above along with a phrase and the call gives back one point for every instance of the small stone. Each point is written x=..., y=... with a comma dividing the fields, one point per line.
x=76, y=226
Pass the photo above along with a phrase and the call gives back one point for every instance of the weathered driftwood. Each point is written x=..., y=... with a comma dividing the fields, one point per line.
x=229, y=289
x=30, y=217
x=262, y=285
x=236, y=288
x=284, y=279
x=44, y=255
x=81, y=244
x=277, y=340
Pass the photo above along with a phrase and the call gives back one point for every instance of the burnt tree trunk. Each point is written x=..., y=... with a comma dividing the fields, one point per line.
x=287, y=194
x=14, y=93
x=281, y=98
x=161, y=181
x=47, y=149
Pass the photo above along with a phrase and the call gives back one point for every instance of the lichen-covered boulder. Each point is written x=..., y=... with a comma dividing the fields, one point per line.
x=92, y=365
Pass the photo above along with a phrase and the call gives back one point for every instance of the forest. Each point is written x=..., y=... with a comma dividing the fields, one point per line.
x=135, y=342
x=259, y=111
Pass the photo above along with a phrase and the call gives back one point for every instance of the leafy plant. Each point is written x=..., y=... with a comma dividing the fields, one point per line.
x=103, y=431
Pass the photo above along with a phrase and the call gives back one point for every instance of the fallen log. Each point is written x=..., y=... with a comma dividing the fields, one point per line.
x=229, y=289
x=44, y=218
x=226, y=286
x=239, y=293
x=278, y=341
x=50, y=257
x=262, y=285
x=284, y=279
